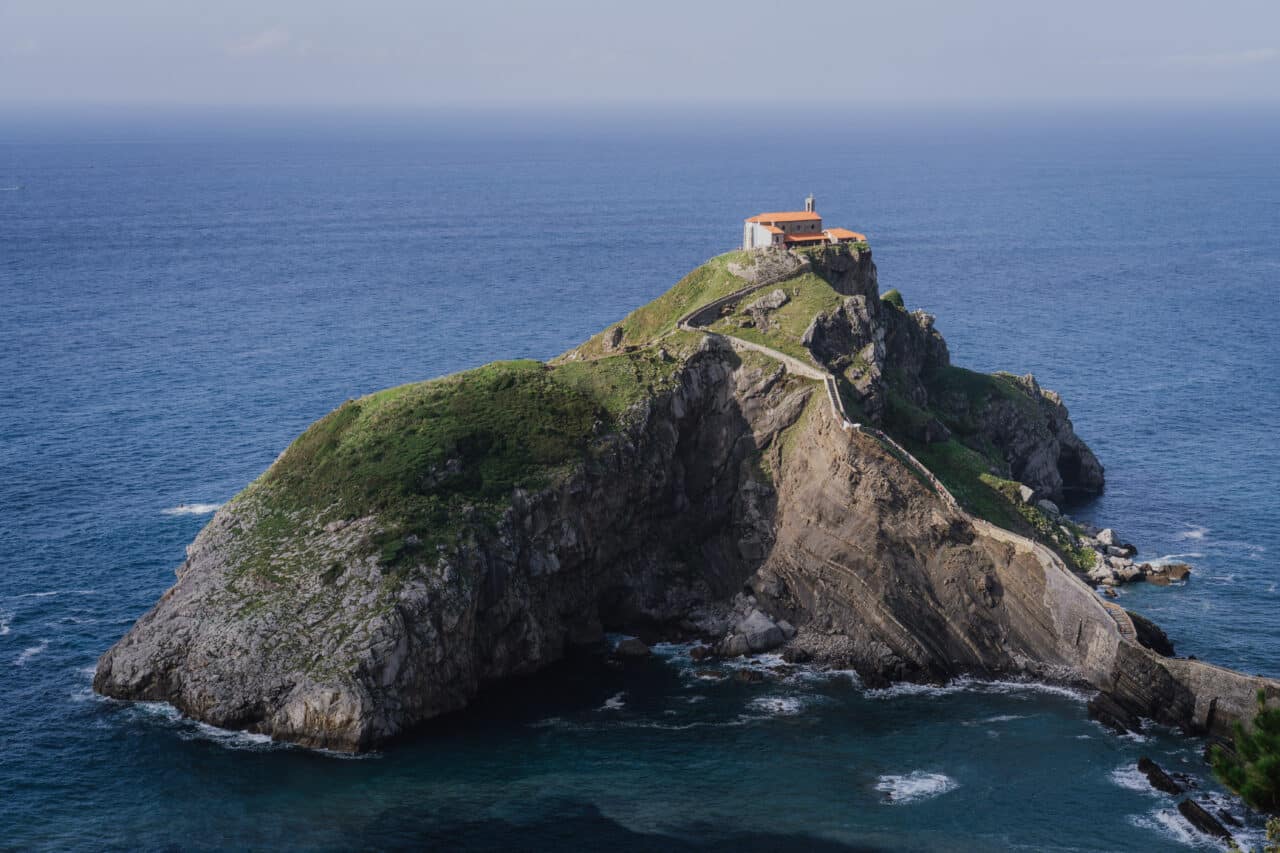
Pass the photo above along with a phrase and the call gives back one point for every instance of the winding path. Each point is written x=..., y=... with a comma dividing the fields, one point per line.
x=695, y=321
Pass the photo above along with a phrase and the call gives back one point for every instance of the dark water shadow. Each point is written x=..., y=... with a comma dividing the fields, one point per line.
x=568, y=825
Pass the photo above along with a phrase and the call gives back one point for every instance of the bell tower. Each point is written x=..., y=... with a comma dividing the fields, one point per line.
x=809, y=204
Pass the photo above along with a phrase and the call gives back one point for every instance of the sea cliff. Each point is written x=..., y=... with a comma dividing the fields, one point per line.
x=673, y=476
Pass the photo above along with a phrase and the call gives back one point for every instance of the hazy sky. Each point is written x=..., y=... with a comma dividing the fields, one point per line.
x=480, y=53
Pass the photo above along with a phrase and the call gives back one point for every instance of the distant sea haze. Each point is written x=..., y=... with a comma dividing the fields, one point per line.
x=181, y=300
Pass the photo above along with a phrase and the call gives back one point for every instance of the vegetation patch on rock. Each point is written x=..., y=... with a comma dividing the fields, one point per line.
x=430, y=458
x=1251, y=767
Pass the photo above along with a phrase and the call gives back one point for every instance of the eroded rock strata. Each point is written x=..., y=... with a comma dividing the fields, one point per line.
x=419, y=544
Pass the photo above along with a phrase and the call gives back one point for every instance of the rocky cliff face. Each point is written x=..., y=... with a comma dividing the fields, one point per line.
x=417, y=545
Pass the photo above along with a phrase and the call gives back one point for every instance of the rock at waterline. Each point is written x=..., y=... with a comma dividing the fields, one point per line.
x=631, y=648
x=793, y=654
x=700, y=653
x=761, y=632
x=1201, y=819
x=1159, y=779
x=1112, y=714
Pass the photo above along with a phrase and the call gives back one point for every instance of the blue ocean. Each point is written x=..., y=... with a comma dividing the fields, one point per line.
x=181, y=295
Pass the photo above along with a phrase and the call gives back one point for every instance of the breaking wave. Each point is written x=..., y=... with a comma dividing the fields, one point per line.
x=54, y=592
x=614, y=702
x=962, y=685
x=191, y=509
x=914, y=786
x=777, y=706
x=188, y=729
x=30, y=652
x=1131, y=778
x=1169, y=823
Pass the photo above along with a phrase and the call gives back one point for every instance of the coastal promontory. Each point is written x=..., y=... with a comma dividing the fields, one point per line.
x=771, y=454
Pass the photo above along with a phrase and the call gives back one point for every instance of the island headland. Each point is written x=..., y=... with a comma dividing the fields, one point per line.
x=772, y=454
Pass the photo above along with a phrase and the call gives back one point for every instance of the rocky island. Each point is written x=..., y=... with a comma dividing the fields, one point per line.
x=771, y=454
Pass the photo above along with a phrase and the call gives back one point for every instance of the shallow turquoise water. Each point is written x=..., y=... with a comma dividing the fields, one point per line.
x=180, y=300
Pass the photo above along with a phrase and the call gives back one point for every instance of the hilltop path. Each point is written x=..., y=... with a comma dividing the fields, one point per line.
x=1048, y=559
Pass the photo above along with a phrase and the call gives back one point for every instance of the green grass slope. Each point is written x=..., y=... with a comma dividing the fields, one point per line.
x=429, y=458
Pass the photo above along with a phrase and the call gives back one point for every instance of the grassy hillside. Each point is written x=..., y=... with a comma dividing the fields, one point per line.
x=431, y=457
x=651, y=321
x=808, y=295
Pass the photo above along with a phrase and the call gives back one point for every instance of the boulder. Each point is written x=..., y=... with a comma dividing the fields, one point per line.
x=1101, y=574
x=749, y=676
x=700, y=653
x=1177, y=571
x=1129, y=572
x=1202, y=820
x=631, y=647
x=770, y=302
x=1027, y=493
x=761, y=633
x=1048, y=508
x=1159, y=780
x=1112, y=714
x=793, y=654
x=733, y=646
x=788, y=630
x=1107, y=536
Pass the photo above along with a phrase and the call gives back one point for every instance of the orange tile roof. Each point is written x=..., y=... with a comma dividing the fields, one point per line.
x=846, y=234
x=786, y=216
x=773, y=229
x=806, y=238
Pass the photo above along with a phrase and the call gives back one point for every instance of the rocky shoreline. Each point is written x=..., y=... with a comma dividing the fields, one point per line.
x=1114, y=562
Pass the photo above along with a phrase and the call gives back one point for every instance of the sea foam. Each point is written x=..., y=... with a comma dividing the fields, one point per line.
x=971, y=685
x=914, y=786
x=30, y=652
x=1131, y=778
x=191, y=509
x=1170, y=824
x=777, y=706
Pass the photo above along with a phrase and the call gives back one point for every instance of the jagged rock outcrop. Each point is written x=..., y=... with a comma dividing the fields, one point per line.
x=416, y=545
x=1036, y=437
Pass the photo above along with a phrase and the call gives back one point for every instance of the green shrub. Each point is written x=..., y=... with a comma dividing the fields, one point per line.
x=893, y=297
x=1252, y=769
